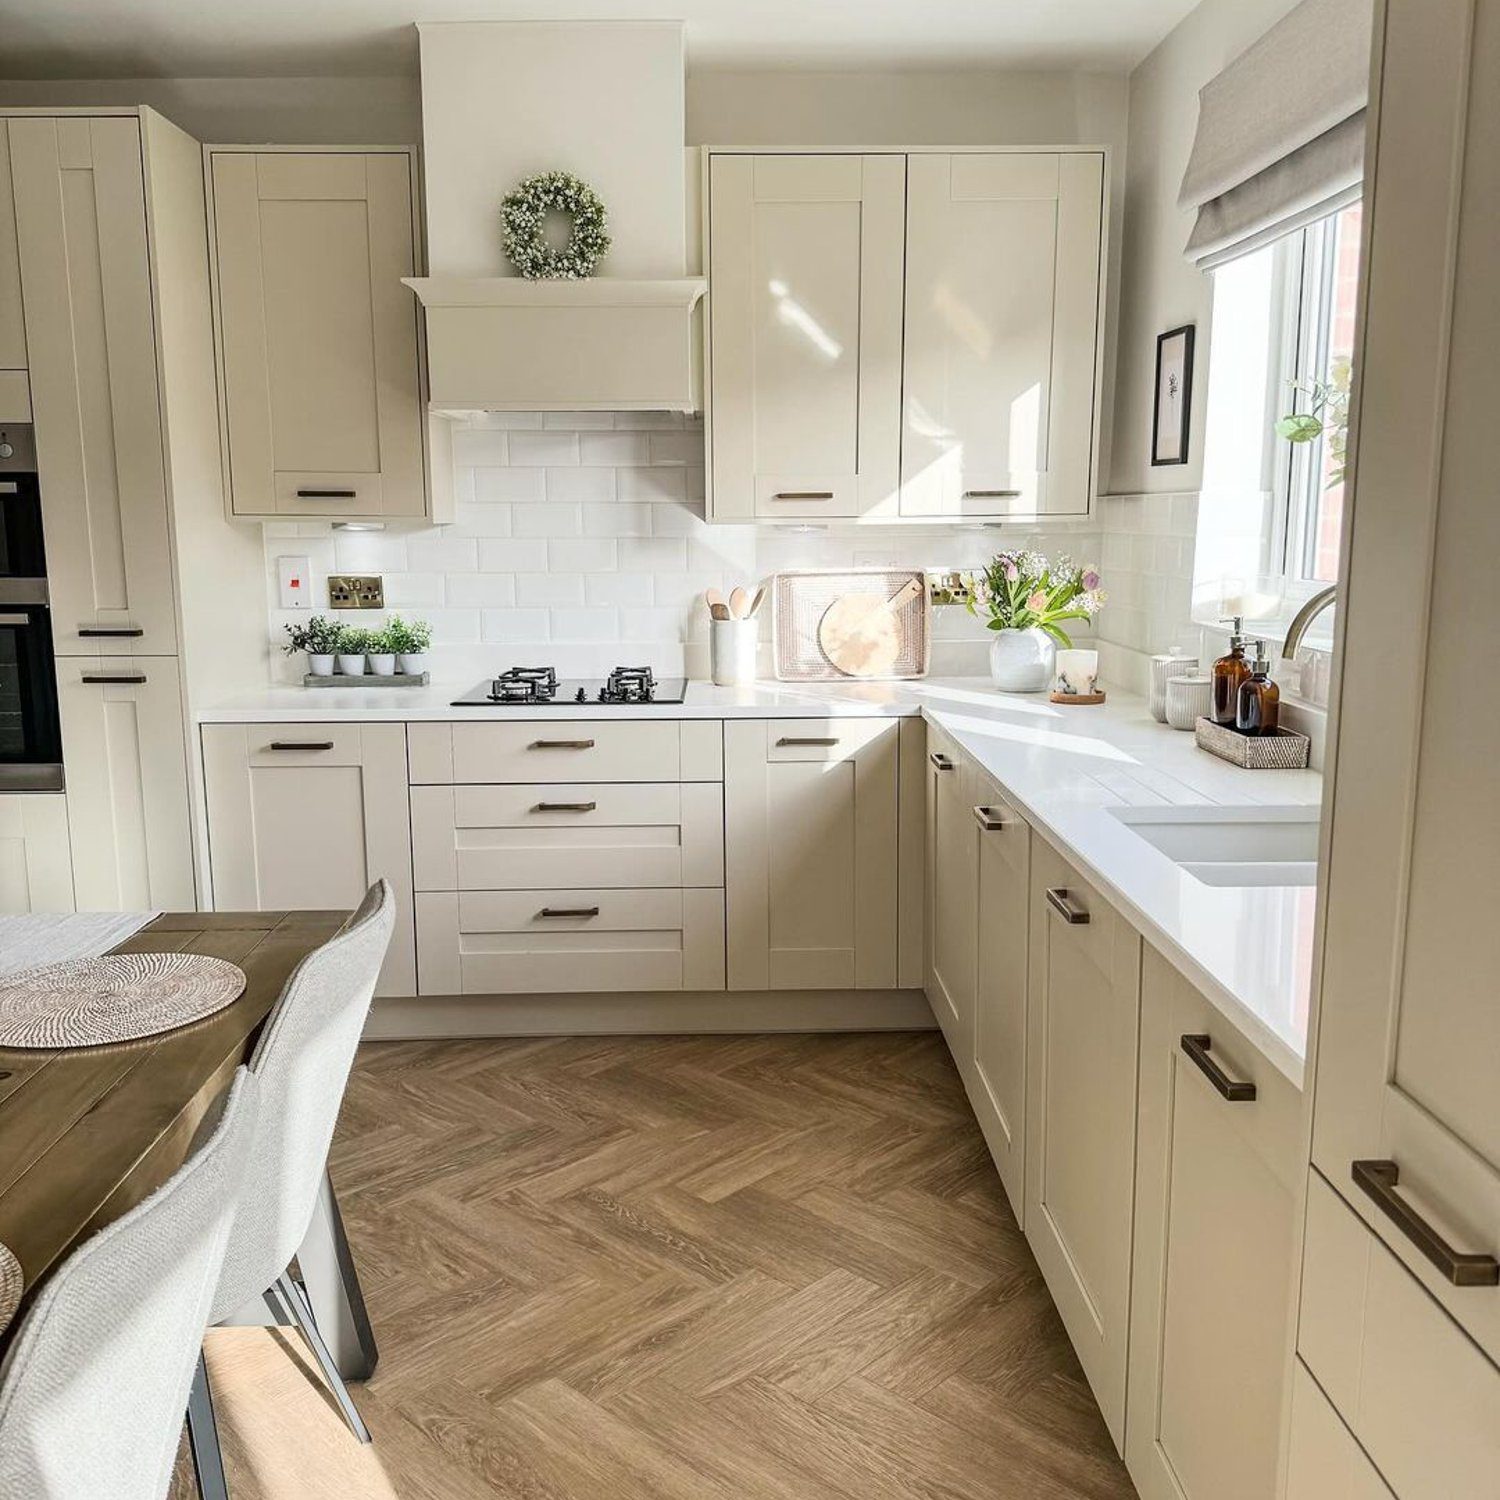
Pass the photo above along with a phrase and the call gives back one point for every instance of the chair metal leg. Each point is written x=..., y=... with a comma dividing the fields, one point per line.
x=331, y=1282
x=288, y=1302
x=203, y=1438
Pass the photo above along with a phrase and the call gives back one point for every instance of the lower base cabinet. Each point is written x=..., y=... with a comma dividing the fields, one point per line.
x=36, y=864
x=1215, y=1229
x=1324, y=1461
x=1084, y=1024
x=306, y=816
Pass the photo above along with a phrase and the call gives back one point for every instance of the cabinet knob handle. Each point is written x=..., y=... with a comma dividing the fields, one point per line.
x=122, y=679
x=580, y=807
x=1235, y=1090
x=1379, y=1180
x=991, y=494
x=327, y=494
x=941, y=761
x=822, y=739
x=561, y=745
x=134, y=632
x=803, y=495
x=1066, y=907
x=569, y=911
x=302, y=744
x=989, y=820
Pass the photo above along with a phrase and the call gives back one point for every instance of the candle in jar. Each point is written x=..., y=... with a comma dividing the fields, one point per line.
x=1076, y=672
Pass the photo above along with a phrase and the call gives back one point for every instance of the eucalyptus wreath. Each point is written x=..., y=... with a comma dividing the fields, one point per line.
x=523, y=211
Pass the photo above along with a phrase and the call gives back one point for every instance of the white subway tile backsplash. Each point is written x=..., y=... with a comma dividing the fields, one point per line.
x=549, y=588
x=481, y=521
x=618, y=589
x=591, y=484
x=475, y=447
x=662, y=554
x=545, y=449
x=413, y=590
x=440, y=551
x=516, y=626
x=506, y=421
x=582, y=555
x=493, y=485
x=513, y=555
x=654, y=482
x=619, y=519
x=481, y=589
x=615, y=448
x=586, y=624
x=677, y=448
x=546, y=520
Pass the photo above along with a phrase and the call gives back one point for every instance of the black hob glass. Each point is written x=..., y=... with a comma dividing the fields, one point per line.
x=540, y=687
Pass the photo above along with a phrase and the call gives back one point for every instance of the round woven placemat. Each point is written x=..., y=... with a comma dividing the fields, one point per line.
x=87, y=1002
x=12, y=1284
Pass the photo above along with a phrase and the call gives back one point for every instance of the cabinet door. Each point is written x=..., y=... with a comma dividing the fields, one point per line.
x=1409, y=1036
x=1215, y=1229
x=1003, y=256
x=86, y=289
x=954, y=894
x=1000, y=1002
x=317, y=335
x=805, y=334
x=36, y=865
x=12, y=320
x=305, y=817
x=126, y=766
x=1085, y=975
x=810, y=853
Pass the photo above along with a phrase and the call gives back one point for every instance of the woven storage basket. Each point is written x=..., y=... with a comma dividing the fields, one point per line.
x=1284, y=750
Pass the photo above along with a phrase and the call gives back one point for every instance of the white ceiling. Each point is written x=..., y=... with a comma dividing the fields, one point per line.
x=305, y=38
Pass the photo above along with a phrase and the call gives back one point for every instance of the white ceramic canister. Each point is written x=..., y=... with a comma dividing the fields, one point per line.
x=1174, y=663
x=1189, y=698
x=731, y=651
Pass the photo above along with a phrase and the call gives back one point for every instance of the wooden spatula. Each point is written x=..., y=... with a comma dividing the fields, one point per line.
x=859, y=633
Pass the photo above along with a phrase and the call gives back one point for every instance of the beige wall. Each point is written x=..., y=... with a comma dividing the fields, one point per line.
x=1159, y=289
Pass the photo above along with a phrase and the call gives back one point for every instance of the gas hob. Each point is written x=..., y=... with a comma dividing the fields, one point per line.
x=540, y=687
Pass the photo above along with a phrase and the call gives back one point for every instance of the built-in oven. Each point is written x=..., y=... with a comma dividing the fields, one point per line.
x=30, y=737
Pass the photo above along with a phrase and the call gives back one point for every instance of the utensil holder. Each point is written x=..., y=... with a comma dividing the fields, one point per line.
x=731, y=651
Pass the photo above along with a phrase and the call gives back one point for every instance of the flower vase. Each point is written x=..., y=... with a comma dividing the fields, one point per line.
x=1021, y=661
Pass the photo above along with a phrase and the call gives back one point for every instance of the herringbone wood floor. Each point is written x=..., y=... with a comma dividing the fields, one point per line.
x=693, y=1268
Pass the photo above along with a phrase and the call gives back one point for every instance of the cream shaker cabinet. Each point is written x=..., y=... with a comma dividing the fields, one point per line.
x=80, y=204
x=1215, y=1232
x=1003, y=270
x=810, y=817
x=15, y=404
x=805, y=334
x=318, y=339
x=305, y=817
x=36, y=864
x=128, y=788
x=1084, y=1024
x=952, y=896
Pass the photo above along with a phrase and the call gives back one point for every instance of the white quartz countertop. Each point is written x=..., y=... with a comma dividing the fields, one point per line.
x=1248, y=948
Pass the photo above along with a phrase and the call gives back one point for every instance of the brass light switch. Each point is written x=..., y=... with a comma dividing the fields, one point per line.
x=356, y=591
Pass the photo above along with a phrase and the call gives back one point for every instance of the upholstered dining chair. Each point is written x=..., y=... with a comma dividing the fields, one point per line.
x=96, y=1380
x=302, y=1064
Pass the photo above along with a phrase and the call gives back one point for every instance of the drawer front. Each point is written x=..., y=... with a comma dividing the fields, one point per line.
x=304, y=744
x=567, y=941
x=820, y=739
x=550, y=750
x=1323, y=1460
x=568, y=835
x=329, y=494
x=1419, y=1396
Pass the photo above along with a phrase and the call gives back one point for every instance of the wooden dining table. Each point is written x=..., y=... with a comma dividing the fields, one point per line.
x=86, y=1133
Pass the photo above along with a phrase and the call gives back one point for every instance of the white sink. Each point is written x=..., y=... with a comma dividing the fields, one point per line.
x=1232, y=845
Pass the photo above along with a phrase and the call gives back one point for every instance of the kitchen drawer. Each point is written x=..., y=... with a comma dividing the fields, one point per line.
x=504, y=943
x=820, y=739
x=304, y=744
x=1418, y=1394
x=1323, y=1460
x=568, y=835
x=567, y=750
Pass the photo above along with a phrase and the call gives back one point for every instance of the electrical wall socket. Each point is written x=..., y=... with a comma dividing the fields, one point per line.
x=356, y=591
x=294, y=582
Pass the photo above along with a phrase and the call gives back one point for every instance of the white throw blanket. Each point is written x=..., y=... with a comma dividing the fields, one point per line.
x=26, y=942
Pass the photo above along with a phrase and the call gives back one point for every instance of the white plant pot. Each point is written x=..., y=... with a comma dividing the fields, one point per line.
x=382, y=663
x=411, y=663
x=351, y=664
x=320, y=664
x=1021, y=661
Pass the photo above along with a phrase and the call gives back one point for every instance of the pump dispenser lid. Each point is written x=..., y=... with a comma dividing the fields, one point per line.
x=1261, y=664
x=1237, y=635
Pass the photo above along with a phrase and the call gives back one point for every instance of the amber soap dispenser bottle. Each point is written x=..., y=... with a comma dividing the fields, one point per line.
x=1258, y=704
x=1229, y=672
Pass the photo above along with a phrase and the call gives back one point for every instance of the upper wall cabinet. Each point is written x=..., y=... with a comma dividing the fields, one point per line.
x=805, y=334
x=318, y=341
x=1002, y=320
x=903, y=335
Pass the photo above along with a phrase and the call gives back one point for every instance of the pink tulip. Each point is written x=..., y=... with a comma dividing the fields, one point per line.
x=1037, y=602
x=1011, y=571
x=1090, y=578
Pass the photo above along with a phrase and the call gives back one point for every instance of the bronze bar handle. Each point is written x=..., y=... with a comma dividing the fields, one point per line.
x=803, y=495
x=123, y=679
x=1379, y=1179
x=569, y=911
x=941, y=761
x=567, y=806
x=1066, y=907
x=988, y=820
x=991, y=494
x=828, y=739
x=561, y=745
x=327, y=494
x=133, y=631
x=1198, y=1048
x=302, y=744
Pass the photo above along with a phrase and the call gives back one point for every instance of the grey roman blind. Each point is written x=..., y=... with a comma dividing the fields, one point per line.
x=1281, y=132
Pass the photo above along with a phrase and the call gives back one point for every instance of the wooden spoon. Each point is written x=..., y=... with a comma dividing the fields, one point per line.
x=717, y=608
x=739, y=603
x=755, y=603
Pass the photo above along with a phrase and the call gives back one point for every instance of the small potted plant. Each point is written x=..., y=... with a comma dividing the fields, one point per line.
x=317, y=639
x=350, y=645
x=409, y=639
x=380, y=653
x=1027, y=597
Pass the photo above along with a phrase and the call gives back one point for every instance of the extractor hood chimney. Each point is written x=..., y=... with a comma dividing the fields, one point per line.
x=502, y=101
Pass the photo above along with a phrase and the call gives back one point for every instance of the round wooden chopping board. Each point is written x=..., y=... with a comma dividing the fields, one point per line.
x=860, y=633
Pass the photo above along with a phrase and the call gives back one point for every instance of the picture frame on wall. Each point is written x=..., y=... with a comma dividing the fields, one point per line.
x=1172, y=410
